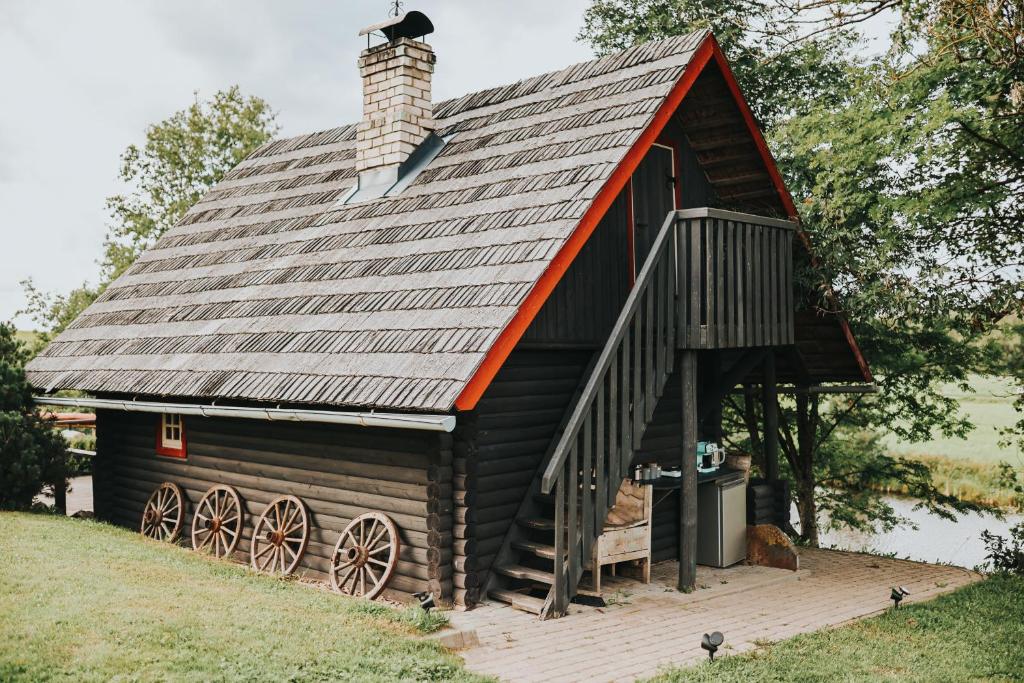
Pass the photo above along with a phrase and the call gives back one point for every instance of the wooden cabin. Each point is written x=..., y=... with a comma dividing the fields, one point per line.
x=423, y=352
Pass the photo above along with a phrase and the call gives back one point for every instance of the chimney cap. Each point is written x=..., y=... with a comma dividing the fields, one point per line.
x=412, y=24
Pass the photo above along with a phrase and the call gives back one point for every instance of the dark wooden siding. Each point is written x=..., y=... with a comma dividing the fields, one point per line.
x=584, y=305
x=338, y=471
x=695, y=190
x=500, y=444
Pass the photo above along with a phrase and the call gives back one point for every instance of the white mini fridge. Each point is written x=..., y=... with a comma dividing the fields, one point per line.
x=722, y=521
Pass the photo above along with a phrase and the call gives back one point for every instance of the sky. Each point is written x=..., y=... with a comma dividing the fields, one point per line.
x=81, y=81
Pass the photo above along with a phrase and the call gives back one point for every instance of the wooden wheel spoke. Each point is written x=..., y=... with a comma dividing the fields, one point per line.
x=376, y=561
x=274, y=547
x=218, y=522
x=206, y=541
x=344, y=580
x=380, y=549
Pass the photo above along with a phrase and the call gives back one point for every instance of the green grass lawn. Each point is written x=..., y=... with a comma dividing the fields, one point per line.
x=973, y=634
x=85, y=601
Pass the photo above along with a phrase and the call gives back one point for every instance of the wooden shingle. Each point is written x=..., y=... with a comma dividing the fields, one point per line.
x=269, y=290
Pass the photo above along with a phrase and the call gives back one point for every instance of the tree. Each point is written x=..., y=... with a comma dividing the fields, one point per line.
x=182, y=158
x=870, y=152
x=31, y=454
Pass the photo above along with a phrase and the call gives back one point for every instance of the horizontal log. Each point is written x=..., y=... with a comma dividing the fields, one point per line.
x=512, y=494
x=464, y=498
x=320, y=543
x=259, y=498
x=467, y=580
x=465, y=564
x=464, y=546
x=489, y=546
x=464, y=482
x=382, y=447
x=317, y=499
x=466, y=597
x=412, y=473
x=501, y=481
x=523, y=463
x=506, y=513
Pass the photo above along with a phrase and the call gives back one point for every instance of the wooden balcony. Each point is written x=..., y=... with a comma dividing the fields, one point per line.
x=735, y=280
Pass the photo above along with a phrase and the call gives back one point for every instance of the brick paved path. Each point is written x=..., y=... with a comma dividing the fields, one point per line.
x=646, y=628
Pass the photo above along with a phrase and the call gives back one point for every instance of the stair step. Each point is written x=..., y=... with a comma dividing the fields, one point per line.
x=517, y=571
x=537, y=523
x=545, y=498
x=526, y=603
x=538, y=549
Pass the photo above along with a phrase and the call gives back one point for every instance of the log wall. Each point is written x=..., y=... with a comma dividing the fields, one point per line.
x=498, y=448
x=338, y=471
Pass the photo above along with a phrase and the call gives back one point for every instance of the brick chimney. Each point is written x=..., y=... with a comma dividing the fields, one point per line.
x=397, y=114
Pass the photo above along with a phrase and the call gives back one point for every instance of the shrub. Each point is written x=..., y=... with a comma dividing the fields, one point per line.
x=1006, y=555
x=31, y=454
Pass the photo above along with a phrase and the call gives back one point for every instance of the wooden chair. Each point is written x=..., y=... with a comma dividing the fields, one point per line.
x=627, y=533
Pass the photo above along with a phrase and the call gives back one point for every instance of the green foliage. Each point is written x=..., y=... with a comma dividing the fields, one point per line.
x=182, y=158
x=761, y=60
x=907, y=173
x=107, y=604
x=31, y=454
x=1006, y=554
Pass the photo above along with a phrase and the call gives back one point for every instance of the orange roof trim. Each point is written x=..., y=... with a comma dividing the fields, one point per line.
x=707, y=51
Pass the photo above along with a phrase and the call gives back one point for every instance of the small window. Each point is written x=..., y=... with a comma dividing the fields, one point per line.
x=170, y=439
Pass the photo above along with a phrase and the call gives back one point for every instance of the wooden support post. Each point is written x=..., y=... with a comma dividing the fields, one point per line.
x=770, y=407
x=60, y=486
x=688, y=485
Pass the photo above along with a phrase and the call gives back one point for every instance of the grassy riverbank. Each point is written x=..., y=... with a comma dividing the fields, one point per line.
x=973, y=634
x=969, y=468
x=86, y=601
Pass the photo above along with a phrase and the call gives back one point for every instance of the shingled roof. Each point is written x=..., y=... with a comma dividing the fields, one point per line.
x=269, y=289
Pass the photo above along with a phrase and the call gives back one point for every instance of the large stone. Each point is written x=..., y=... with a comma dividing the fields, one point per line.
x=768, y=546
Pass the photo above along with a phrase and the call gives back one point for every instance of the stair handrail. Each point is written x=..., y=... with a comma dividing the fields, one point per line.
x=621, y=328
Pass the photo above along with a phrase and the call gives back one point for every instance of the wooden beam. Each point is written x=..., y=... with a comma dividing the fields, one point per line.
x=770, y=406
x=688, y=465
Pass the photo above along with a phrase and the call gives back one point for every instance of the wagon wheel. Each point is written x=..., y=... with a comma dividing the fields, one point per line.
x=164, y=513
x=217, y=522
x=364, y=558
x=280, y=536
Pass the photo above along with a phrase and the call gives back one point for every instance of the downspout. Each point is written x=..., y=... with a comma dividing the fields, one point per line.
x=435, y=423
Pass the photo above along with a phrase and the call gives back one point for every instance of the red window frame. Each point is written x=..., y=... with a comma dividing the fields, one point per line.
x=170, y=451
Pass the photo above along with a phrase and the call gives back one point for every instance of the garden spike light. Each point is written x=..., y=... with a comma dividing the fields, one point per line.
x=426, y=599
x=897, y=595
x=711, y=642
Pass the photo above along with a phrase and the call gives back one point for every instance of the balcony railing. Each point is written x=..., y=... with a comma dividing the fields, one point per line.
x=735, y=279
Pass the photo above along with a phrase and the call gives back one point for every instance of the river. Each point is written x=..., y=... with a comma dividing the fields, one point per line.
x=934, y=540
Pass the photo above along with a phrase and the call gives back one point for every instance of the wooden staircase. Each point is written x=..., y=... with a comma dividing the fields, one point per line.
x=540, y=564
